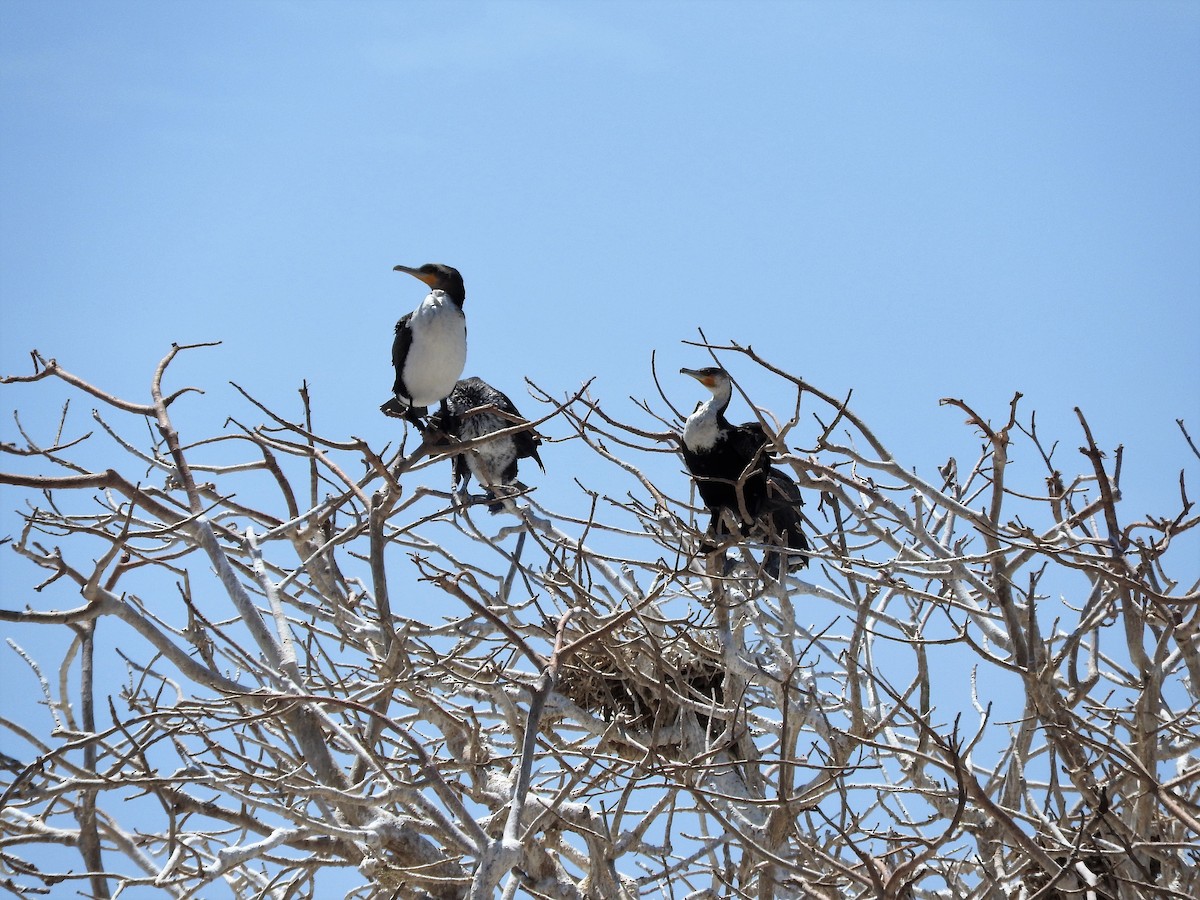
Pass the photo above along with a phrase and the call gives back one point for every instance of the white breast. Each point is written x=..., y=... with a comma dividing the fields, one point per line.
x=701, y=430
x=438, y=351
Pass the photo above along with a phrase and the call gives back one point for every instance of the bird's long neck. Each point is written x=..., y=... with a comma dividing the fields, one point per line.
x=703, y=427
x=454, y=291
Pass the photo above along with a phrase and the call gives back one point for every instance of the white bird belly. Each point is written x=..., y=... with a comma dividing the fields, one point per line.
x=700, y=432
x=438, y=352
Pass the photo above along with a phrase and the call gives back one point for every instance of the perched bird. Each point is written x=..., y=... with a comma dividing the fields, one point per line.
x=731, y=465
x=474, y=409
x=430, y=348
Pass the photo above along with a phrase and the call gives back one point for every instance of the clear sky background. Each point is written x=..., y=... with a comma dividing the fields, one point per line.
x=910, y=200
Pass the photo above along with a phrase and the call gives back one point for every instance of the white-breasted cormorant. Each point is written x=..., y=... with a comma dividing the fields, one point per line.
x=430, y=348
x=474, y=409
x=731, y=465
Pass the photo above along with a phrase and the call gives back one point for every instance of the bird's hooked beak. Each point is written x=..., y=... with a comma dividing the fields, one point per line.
x=430, y=278
x=707, y=380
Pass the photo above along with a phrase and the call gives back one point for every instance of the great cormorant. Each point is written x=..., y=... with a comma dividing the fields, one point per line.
x=430, y=348
x=731, y=466
x=474, y=409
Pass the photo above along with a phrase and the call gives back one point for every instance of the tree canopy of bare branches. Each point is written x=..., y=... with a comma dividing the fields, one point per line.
x=303, y=667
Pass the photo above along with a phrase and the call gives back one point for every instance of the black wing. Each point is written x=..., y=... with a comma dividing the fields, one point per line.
x=731, y=475
x=400, y=347
x=751, y=440
x=782, y=513
x=525, y=442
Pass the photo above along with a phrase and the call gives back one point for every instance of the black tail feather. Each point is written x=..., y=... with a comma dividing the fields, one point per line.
x=784, y=521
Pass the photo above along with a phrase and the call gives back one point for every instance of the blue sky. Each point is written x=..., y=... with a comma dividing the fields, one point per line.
x=910, y=200
x=906, y=200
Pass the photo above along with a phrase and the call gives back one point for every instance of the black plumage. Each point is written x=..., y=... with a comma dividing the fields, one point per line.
x=473, y=410
x=429, y=350
x=731, y=466
x=780, y=521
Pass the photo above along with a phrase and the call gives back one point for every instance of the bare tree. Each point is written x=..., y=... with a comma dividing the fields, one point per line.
x=983, y=686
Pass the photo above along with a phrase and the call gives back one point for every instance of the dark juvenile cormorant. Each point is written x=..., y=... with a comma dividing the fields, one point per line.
x=430, y=348
x=731, y=466
x=494, y=462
